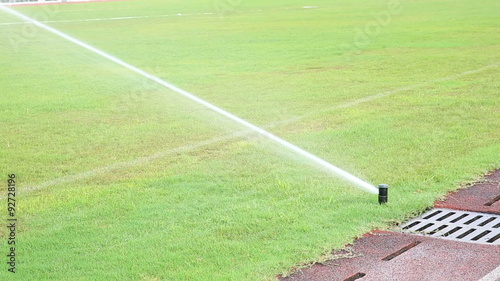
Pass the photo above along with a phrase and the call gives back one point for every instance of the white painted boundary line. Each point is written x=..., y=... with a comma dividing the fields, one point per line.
x=108, y=19
x=51, y=2
x=132, y=163
x=492, y=276
x=313, y=158
x=398, y=90
x=127, y=18
x=162, y=154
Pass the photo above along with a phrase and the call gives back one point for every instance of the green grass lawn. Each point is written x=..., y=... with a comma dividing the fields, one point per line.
x=121, y=179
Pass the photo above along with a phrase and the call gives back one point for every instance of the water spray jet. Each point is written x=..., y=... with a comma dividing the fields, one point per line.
x=315, y=159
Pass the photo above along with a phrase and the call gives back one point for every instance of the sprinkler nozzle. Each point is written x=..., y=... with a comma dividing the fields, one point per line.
x=382, y=193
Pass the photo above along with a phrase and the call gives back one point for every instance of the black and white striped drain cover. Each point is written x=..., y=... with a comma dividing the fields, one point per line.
x=457, y=225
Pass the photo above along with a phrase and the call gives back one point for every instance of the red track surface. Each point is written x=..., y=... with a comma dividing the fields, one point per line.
x=384, y=255
x=482, y=197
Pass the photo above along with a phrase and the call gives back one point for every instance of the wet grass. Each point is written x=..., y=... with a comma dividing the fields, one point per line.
x=172, y=194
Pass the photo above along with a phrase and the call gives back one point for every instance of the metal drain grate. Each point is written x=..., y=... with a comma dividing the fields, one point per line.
x=457, y=225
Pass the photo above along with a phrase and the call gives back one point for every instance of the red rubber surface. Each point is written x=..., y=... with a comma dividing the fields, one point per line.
x=476, y=198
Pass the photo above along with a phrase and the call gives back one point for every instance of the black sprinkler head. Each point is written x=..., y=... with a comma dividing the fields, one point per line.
x=382, y=193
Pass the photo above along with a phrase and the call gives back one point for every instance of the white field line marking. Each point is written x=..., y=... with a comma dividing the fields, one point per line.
x=147, y=159
x=394, y=91
x=135, y=17
x=124, y=18
x=494, y=275
x=315, y=159
x=132, y=163
x=108, y=19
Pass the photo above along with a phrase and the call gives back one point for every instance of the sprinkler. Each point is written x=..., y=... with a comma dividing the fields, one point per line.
x=382, y=193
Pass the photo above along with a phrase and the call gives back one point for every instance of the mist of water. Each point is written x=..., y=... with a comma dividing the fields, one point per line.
x=324, y=164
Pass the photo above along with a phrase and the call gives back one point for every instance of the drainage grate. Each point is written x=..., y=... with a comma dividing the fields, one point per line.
x=457, y=225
